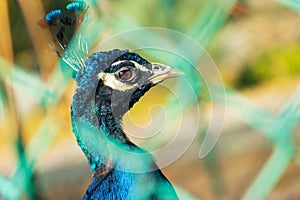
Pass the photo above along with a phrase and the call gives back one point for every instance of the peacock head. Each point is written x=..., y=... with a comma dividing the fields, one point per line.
x=122, y=78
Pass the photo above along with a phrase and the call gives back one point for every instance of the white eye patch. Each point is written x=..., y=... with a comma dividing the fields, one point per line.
x=137, y=65
x=110, y=80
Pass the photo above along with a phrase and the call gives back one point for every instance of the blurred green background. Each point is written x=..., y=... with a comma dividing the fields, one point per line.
x=255, y=45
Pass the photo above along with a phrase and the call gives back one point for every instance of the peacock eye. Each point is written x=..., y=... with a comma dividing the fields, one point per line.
x=126, y=73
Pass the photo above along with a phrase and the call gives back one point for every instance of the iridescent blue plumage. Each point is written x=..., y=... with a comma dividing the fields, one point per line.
x=121, y=169
x=117, y=185
x=70, y=16
x=77, y=7
x=63, y=24
x=54, y=17
x=114, y=177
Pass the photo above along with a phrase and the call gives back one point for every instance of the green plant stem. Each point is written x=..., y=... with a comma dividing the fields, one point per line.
x=271, y=172
x=39, y=38
x=293, y=4
x=282, y=128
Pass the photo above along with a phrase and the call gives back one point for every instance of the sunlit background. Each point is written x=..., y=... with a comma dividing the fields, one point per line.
x=255, y=46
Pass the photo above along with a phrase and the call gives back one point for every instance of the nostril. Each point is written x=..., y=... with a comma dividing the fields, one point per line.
x=159, y=68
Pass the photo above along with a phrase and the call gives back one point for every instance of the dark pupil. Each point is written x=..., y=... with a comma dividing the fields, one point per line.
x=125, y=74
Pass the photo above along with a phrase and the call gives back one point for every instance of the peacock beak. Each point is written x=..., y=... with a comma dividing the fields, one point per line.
x=162, y=72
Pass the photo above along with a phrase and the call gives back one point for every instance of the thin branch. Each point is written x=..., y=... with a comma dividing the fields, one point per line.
x=6, y=50
x=33, y=11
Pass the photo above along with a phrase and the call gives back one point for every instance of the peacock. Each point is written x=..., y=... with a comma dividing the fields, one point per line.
x=109, y=83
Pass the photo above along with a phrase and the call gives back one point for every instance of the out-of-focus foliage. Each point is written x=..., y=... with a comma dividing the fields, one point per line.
x=293, y=4
x=278, y=62
x=173, y=14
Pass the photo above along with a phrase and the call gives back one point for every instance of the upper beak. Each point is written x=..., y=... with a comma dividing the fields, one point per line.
x=162, y=72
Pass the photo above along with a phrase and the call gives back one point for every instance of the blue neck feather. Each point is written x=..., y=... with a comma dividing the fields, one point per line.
x=121, y=169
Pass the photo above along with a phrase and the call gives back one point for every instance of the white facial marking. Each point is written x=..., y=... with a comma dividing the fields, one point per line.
x=109, y=79
x=118, y=62
x=137, y=65
x=140, y=67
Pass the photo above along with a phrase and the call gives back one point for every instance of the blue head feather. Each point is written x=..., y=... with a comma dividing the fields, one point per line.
x=77, y=7
x=62, y=24
x=54, y=17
